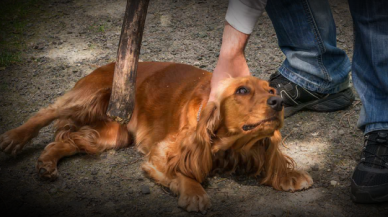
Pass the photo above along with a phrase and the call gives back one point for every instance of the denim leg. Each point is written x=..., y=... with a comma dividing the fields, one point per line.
x=307, y=36
x=370, y=62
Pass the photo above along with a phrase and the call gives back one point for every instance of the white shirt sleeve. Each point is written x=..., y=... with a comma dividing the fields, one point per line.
x=243, y=14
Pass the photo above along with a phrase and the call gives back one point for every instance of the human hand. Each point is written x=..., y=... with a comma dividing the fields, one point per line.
x=231, y=62
x=227, y=68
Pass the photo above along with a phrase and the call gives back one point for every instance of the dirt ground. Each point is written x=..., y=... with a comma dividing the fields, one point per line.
x=47, y=45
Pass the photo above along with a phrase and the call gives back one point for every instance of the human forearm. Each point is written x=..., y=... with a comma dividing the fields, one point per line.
x=240, y=20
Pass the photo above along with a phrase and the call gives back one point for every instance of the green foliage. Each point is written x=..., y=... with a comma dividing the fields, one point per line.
x=14, y=16
x=100, y=26
x=8, y=58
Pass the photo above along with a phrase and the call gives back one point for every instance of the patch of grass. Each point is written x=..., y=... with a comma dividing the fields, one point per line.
x=14, y=17
x=92, y=46
x=3, y=88
x=15, y=11
x=11, y=50
x=19, y=27
x=102, y=28
x=8, y=58
x=99, y=27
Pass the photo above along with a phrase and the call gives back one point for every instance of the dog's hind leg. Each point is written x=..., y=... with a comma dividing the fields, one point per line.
x=70, y=140
x=81, y=108
x=14, y=140
x=47, y=163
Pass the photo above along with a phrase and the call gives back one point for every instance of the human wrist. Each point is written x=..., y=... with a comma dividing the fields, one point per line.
x=230, y=54
x=232, y=66
x=233, y=43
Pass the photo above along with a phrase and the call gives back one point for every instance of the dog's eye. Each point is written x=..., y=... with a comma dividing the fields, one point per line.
x=271, y=91
x=242, y=90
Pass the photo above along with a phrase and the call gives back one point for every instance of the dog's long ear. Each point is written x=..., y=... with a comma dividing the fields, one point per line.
x=194, y=159
x=208, y=122
x=277, y=165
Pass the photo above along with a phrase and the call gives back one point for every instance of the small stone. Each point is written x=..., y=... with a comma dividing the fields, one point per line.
x=255, y=213
x=63, y=186
x=176, y=210
x=340, y=40
x=333, y=183
x=53, y=191
x=315, y=167
x=277, y=213
x=145, y=189
x=202, y=35
x=165, y=20
x=341, y=132
x=343, y=177
x=39, y=47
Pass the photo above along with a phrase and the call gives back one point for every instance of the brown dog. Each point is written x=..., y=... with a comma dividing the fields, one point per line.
x=183, y=137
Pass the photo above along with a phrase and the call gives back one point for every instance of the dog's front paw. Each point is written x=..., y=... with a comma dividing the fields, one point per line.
x=13, y=141
x=195, y=202
x=47, y=169
x=295, y=181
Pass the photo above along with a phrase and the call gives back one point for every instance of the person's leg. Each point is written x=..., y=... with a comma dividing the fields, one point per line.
x=370, y=62
x=370, y=77
x=307, y=36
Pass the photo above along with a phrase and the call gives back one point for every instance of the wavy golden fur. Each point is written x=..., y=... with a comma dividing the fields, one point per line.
x=184, y=137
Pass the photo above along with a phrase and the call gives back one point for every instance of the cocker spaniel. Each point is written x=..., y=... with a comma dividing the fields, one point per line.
x=183, y=137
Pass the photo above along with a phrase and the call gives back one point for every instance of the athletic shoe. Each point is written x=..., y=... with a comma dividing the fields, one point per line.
x=370, y=177
x=297, y=98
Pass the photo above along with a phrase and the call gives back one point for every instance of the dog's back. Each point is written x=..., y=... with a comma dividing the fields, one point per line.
x=162, y=100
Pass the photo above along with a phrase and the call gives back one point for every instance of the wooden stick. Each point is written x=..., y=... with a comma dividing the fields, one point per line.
x=122, y=99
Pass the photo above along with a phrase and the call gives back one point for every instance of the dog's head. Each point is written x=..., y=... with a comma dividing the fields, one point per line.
x=249, y=105
x=245, y=107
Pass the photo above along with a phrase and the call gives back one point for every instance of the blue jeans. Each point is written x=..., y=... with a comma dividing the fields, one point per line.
x=307, y=36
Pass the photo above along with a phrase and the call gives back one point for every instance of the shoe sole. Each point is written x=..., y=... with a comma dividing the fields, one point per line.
x=369, y=194
x=330, y=103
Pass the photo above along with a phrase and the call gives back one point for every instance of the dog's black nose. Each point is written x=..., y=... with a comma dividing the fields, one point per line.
x=275, y=102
